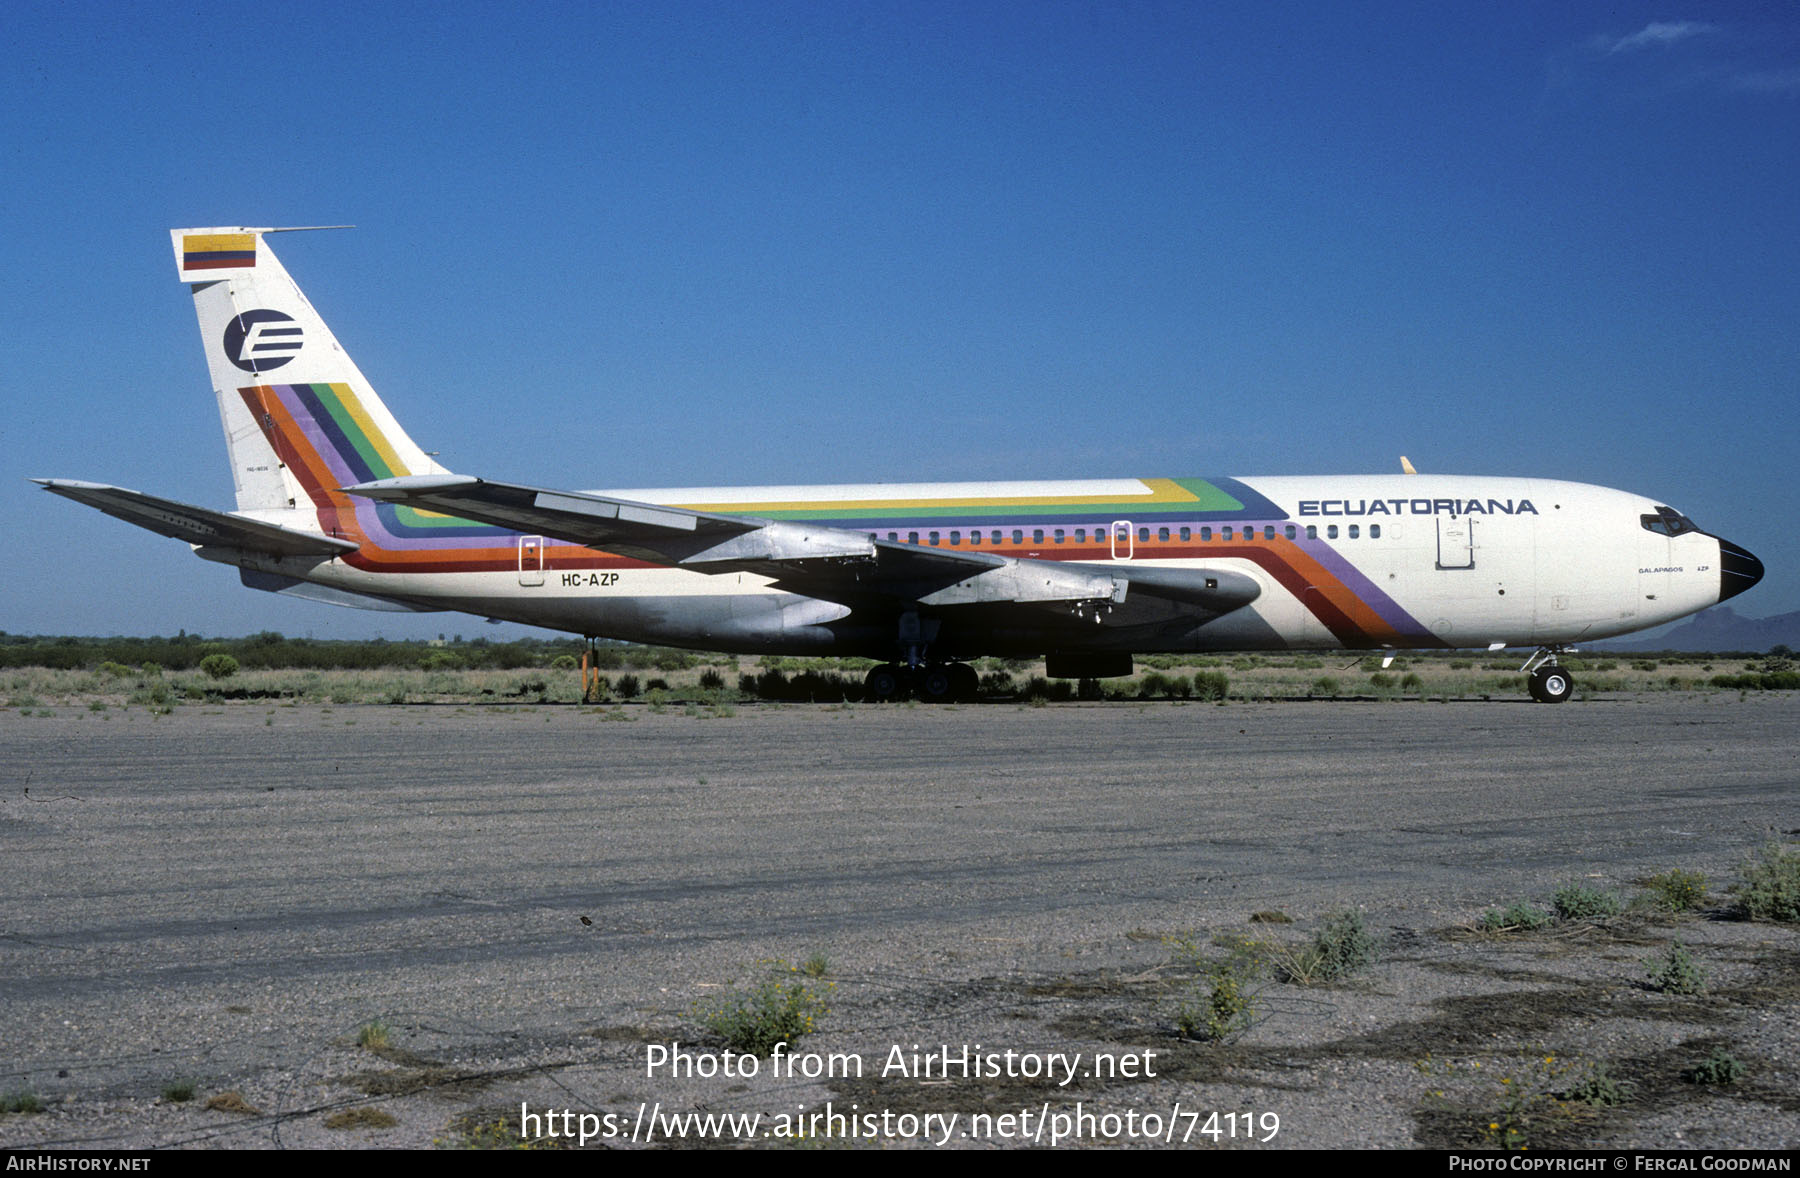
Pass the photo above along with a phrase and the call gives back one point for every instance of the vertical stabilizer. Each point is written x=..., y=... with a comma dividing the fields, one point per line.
x=264, y=342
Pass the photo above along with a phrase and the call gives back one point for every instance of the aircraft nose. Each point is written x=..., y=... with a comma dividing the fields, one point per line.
x=1738, y=570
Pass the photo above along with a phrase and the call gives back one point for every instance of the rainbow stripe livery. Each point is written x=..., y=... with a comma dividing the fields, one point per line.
x=336, y=502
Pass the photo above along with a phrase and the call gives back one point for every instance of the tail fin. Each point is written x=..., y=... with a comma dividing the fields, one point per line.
x=300, y=419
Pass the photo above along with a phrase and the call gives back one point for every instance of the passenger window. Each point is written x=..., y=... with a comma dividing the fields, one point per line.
x=1331, y=531
x=1037, y=535
x=1186, y=535
x=1225, y=532
x=1162, y=535
x=955, y=539
x=934, y=539
x=912, y=537
x=1205, y=535
x=1018, y=535
x=996, y=537
x=1290, y=531
x=1312, y=531
x=975, y=538
x=1144, y=535
x=1059, y=535
x=1355, y=530
x=1268, y=531
x=893, y=536
x=1374, y=531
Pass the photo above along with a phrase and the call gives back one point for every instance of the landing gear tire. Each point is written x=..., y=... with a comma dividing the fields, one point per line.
x=968, y=683
x=1551, y=685
x=937, y=685
x=886, y=684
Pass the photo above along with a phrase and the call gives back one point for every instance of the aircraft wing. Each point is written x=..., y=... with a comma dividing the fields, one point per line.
x=197, y=525
x=832, y=564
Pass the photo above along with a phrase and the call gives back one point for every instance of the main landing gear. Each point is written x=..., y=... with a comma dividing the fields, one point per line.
x=935, y=683
x=1549, y=683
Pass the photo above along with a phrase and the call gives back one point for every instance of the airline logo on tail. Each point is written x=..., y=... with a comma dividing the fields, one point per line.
x=258, y=341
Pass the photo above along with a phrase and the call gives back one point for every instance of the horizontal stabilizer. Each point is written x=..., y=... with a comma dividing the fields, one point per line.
x=307, y=591
x=197, y=525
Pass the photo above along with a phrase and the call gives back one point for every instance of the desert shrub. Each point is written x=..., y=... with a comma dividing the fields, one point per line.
x=1676, y=973
x=1678, y=890
x=219, y=666
x=1339, y=949
x=1721, y=1067
x=1771, y=886
x=1517, y=915
x=1582, y=902
x=780, y=1010
x=1211, y=685
x=1226, y=1008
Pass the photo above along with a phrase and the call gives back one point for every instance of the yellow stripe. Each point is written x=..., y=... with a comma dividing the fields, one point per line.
x=1162, y=491
x=347, y=397
x=208, y=243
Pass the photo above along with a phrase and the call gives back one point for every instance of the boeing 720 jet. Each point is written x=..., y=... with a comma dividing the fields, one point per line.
x=336, y=502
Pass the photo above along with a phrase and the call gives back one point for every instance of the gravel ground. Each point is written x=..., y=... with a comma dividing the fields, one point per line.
x=527, y=898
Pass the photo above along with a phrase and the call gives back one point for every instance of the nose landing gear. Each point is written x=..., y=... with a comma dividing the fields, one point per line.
x=1549, y=683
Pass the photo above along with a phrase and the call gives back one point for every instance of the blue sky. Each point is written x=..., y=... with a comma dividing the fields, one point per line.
x=665, y=244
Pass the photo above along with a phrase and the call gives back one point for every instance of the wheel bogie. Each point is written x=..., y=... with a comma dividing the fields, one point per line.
x=936, y=683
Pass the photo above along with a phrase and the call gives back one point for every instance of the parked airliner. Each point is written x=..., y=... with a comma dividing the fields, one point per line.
x=336, y=502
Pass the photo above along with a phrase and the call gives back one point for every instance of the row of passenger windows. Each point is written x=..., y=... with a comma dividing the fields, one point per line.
x=1163, y=535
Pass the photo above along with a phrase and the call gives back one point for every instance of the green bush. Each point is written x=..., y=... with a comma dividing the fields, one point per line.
x=1721, y=1067
x=21, y=1100
x=1341, y=948
x=781, y=1010
x=1226, y=1009
x=1600, y=1089
x=1518, y=915
x=1211, y=686
x=1678, y=890
x=1582, y=902
x=1678, y=973
x=219, y=666
x=1771, y=887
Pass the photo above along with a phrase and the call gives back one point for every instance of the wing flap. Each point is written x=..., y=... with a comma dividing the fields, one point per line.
x=199, y=526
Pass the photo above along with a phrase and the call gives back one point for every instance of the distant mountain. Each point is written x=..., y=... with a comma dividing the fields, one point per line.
x=1719, y=628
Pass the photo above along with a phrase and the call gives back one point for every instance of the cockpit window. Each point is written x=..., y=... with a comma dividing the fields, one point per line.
x=1667, y=522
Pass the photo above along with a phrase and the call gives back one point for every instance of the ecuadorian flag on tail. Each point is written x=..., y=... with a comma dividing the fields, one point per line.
x=202, y=255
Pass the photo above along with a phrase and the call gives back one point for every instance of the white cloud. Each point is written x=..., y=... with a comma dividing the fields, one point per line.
x=1655, y=33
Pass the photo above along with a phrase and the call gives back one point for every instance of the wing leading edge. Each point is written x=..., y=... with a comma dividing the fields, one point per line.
x=833, y=564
